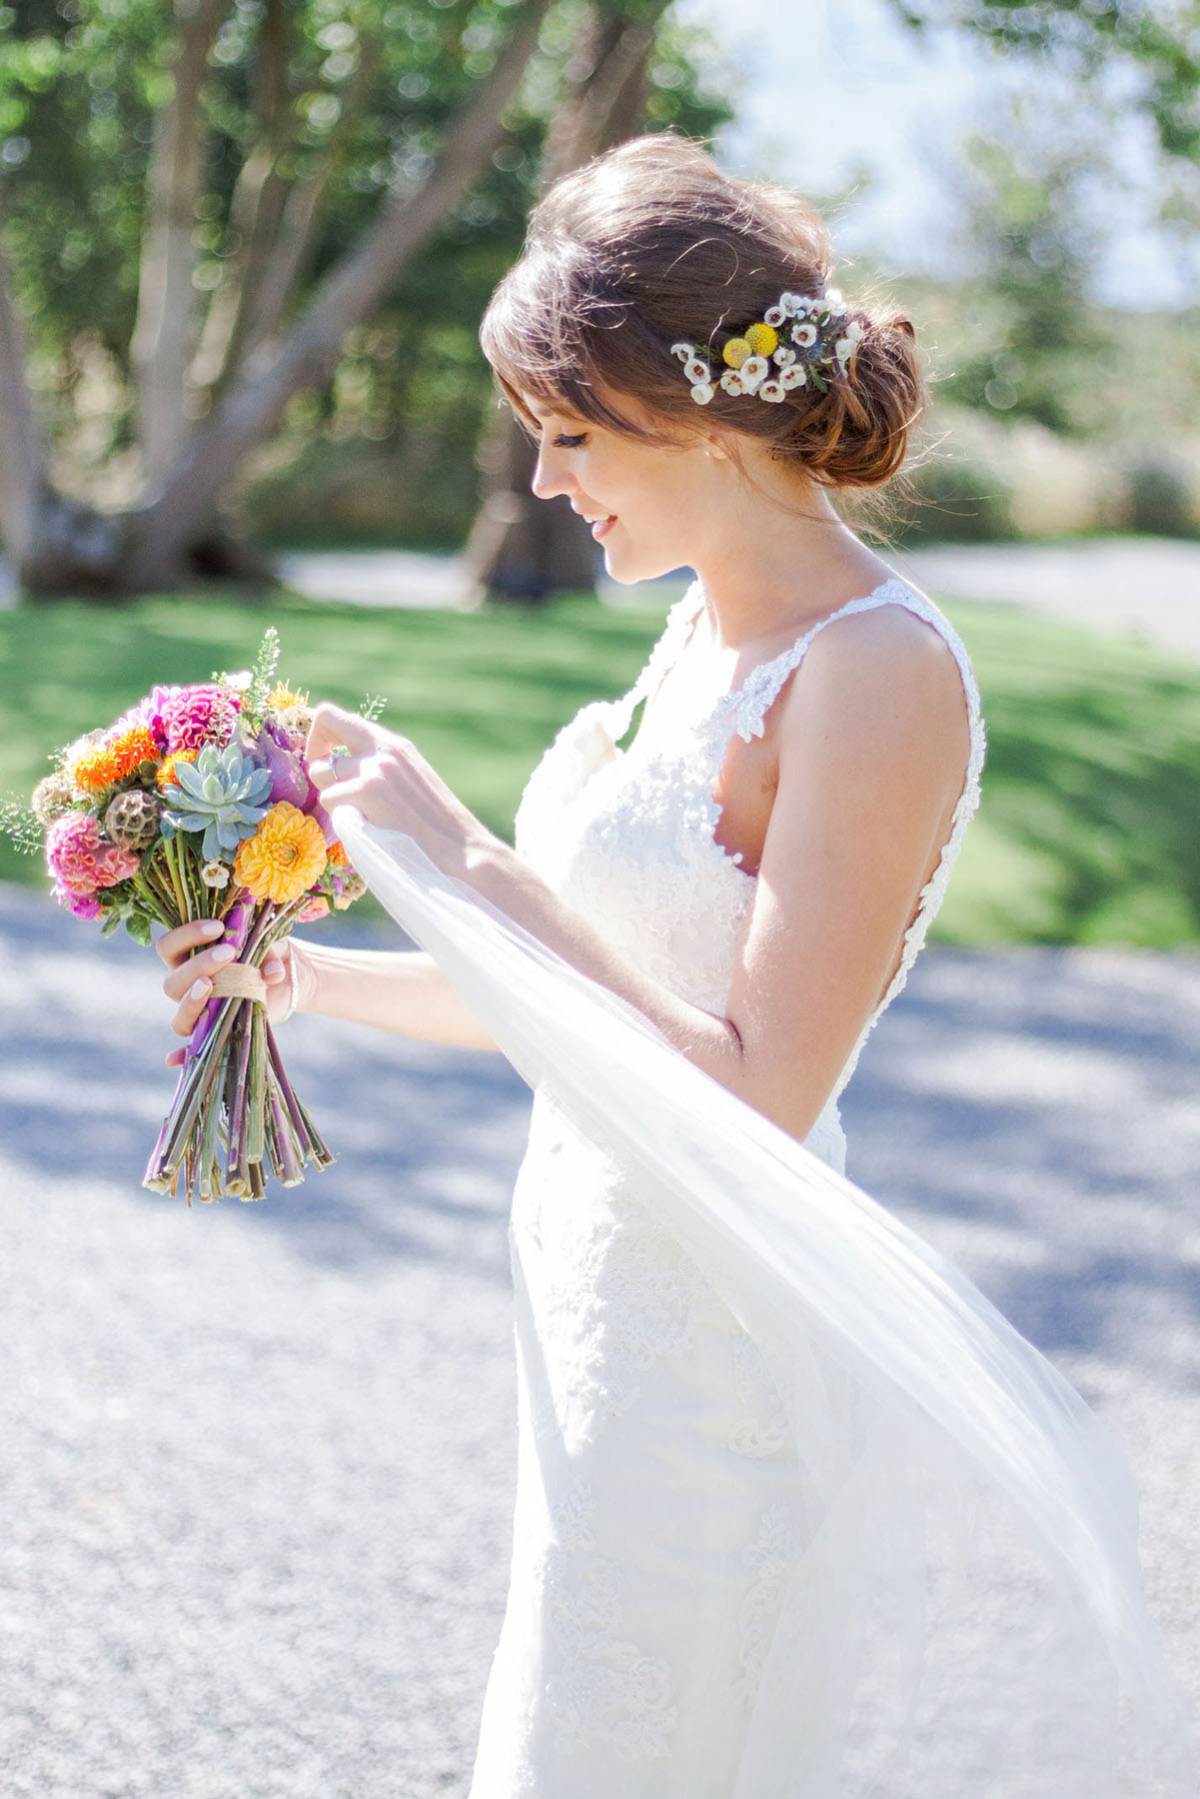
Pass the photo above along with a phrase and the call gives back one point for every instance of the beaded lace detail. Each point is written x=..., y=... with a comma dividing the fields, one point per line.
x=659, y=1519
x=629, y=837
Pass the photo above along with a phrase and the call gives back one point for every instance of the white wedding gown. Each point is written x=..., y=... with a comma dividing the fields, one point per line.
x=793, y=1502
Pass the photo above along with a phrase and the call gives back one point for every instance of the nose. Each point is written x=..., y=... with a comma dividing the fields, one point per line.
x=551, y=473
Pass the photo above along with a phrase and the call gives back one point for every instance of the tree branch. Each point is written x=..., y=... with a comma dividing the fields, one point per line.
x=347, y=294
x=162, y=338
x=254, y=212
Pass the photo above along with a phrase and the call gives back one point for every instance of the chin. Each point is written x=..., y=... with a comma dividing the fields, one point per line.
x=628, y=569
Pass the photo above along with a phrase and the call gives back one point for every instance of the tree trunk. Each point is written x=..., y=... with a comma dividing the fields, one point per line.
x=162, y=343
x=22, y=450
x=523, y=549
x=255, y=403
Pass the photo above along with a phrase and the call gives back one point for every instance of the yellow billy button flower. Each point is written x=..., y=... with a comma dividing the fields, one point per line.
x=736, y=351
x=763, y=340
x=284, y=857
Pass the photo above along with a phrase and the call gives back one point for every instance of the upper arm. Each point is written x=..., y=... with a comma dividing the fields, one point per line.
x=873, y=746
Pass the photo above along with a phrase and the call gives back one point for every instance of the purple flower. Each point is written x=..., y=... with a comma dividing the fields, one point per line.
x=289, y=777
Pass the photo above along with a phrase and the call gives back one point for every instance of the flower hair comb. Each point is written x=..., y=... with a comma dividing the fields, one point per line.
x=798, y=342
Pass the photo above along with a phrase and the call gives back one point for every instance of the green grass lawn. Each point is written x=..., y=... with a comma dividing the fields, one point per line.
x=1090, y=826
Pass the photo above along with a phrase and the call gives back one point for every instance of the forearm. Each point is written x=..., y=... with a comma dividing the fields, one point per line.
x=400, y=991
x=711, y=1042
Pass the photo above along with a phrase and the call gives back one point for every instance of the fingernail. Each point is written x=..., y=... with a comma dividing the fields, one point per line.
x=272, y=970
x=199, y=988
x=224, y=952
x=211, y=927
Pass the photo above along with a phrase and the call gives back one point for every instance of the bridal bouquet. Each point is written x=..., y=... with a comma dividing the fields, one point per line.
x=197, y=803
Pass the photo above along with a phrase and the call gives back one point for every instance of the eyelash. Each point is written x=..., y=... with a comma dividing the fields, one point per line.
x=563, y=442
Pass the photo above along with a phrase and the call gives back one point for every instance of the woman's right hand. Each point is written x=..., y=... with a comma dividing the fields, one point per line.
x=194, y=953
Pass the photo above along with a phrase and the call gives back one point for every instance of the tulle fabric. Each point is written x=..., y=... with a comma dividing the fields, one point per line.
x=966, y=1615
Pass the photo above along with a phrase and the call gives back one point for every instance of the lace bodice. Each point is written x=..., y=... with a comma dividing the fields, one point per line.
x=628, y=836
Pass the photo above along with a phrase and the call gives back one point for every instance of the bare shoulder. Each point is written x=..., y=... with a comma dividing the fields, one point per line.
x=886, y=652
x=881, y=687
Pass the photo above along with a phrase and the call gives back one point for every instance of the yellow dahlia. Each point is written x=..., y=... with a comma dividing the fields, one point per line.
x=284, y=857
x=102, y=765
x=166, y=774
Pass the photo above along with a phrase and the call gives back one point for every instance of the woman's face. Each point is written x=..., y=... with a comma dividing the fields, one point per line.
x=647, y=504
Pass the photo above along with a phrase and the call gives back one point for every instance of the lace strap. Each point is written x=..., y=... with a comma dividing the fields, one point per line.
x=745, y=709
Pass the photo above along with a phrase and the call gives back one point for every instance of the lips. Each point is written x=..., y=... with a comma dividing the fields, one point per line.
x=601, y=525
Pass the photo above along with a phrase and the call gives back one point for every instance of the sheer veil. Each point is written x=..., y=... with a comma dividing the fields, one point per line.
x=969, y=1595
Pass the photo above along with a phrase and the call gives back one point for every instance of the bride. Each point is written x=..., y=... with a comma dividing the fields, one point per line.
x=797, y=1511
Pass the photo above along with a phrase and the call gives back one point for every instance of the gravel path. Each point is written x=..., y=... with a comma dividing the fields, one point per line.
x=1146, y=587
x=256, y=1461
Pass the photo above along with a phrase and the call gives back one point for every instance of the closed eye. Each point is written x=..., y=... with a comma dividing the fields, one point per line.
x=563, y=442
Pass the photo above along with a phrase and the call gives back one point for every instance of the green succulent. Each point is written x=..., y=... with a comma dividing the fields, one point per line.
x=225, y=794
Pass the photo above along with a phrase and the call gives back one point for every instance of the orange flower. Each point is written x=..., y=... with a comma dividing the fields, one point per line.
x=284, y=857
x=166, y=774
x=113, y=759
x=338, y=856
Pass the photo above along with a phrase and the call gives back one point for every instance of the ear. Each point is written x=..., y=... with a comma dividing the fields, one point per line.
x=716, y=445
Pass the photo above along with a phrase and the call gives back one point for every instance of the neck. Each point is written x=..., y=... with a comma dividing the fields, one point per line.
x=779, y=558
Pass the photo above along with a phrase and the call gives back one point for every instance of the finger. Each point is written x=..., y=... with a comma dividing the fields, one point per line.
x=194, y=1002
x=202, y=966
x=173, y=945
x=328, y=771
x=332, y=726
x=177, y=1058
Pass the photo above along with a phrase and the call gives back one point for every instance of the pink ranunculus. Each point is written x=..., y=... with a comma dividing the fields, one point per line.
x=81, y=860
x=317, y=907
x=194, y=716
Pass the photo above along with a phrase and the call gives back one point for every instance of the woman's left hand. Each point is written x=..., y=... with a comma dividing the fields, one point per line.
x=353, y=762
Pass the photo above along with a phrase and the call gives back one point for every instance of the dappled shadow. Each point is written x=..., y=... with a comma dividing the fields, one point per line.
x=1126, y=762
x=1032, y=1114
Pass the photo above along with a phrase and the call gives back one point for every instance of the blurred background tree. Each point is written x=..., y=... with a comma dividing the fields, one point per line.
x=268, y=223
x=245, y=245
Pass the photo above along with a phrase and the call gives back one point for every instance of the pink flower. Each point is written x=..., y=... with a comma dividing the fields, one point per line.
x=83, y=905
x=149, y=712
x=194, y=716
x=317, y=907
x=82, y=861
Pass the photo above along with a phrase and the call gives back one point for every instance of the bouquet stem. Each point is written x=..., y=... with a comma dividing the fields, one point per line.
x=233, y=1090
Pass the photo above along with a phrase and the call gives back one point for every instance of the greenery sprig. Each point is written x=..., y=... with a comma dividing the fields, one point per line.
x=21, y=825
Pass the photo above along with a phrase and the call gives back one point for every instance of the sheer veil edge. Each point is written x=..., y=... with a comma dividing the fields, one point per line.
x=903, y=1383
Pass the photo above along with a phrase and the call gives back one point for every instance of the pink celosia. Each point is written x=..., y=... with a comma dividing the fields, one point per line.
x=194, y=716
x=81, y=860
x=83, y=905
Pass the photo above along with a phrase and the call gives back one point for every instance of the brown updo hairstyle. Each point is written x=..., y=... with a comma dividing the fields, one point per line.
x=652, y=244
